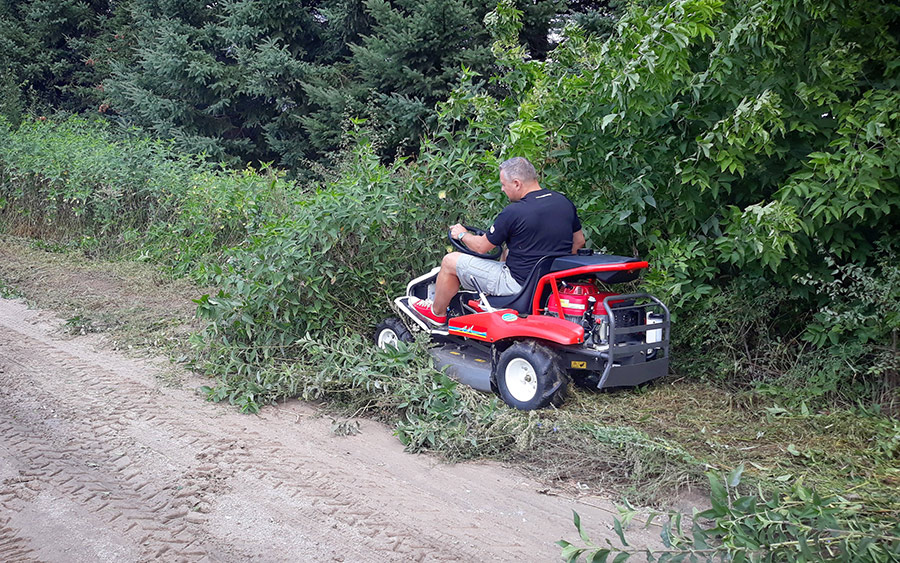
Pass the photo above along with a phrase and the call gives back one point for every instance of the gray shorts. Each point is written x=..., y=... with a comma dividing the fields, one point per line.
x=493, y=276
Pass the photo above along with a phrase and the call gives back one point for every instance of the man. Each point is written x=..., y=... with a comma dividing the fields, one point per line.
x=537, y=223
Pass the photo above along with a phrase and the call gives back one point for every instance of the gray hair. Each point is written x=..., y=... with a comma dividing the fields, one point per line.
x=518, y=168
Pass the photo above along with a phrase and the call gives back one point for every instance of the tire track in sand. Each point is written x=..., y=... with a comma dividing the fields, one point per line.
x=80, y=454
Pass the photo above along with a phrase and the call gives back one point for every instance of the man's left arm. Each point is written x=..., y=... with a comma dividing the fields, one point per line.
x=577, y=240
x=476, y=243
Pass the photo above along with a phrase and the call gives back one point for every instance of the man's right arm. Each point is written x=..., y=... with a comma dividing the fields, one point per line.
x=477, y=243
x=577, y=240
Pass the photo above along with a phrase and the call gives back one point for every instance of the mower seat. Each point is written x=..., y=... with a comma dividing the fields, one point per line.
x=521, y=302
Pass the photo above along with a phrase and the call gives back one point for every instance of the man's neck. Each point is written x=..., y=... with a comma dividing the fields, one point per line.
x=531, y=188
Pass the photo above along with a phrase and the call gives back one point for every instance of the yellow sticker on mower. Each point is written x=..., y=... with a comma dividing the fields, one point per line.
x=579, y=365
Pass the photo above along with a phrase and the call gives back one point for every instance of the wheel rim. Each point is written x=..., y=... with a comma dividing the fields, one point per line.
x=387, y=337
x=521, y=379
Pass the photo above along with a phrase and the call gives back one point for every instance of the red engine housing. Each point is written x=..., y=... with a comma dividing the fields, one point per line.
x=574, y=300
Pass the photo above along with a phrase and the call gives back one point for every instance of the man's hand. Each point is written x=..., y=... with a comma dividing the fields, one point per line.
x=479, y=244
x=456, y=229
x=577, y=240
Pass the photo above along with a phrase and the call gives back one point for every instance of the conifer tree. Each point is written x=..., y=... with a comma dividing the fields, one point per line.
x=43, y=63
x=219, y=77
x=278, y=80
x=406, y=59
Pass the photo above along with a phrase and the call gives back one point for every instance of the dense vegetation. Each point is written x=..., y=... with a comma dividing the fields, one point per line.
x=250, y=81
x=749, y=150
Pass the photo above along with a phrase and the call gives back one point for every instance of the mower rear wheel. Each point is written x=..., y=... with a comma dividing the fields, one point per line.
x=530, y=376
x=391, y=331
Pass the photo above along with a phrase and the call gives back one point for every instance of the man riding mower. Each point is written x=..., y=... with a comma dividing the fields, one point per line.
x=524, y=327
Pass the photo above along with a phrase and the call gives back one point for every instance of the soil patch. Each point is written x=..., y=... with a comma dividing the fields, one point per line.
x=133, y=303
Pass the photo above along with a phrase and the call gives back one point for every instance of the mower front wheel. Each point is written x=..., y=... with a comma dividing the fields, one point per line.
x=391, y=331
x=529, y=376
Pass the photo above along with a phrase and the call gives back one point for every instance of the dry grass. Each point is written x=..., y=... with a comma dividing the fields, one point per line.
x=133, y=304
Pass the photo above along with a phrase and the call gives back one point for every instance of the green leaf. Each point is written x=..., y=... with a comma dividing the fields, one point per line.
x=699, y=536
x=718, y=495
x=577, y=519
x=571, y=553
x=607, y=120
x=617, y=525
x=734, y=478
x=666, y=534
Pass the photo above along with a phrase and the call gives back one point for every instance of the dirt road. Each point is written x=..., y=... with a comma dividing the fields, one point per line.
x=100, y=460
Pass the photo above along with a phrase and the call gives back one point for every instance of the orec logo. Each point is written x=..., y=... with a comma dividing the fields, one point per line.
x=509, y=317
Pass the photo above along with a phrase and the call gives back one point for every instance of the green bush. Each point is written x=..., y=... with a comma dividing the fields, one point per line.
x=725, y=180
x=81, y=183
x=799, y=525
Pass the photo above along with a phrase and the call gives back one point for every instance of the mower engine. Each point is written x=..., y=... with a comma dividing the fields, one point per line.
x=582, y=303
x=575, y=300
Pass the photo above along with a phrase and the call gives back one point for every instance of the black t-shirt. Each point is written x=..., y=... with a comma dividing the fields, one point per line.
x=539, y=224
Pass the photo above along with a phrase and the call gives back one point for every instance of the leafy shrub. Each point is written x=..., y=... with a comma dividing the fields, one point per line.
x=799, y=525
x=329, y=264
x=72, y=178
x=724, y=180
x=79, y=182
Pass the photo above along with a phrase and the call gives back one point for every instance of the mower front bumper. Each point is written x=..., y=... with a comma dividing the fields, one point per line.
x=642, y=363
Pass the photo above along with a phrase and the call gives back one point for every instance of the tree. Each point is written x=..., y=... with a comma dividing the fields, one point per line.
x=43, y=63
x=220, y=78
x=406, y=57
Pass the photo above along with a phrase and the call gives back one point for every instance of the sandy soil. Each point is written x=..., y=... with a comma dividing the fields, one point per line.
x=100, y=460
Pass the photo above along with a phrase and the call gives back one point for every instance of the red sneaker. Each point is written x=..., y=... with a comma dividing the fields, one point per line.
x=423, y=307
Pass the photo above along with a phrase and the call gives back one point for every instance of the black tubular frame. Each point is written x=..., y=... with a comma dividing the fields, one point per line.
x=630, y=349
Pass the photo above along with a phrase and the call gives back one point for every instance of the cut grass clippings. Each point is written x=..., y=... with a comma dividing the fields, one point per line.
x=133, y=303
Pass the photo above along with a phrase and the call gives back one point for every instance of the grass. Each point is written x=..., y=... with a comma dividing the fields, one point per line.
x=842, y=452
x=131, y=303
x=8, y=291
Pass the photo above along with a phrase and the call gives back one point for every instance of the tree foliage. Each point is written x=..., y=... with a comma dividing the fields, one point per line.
x=222, y=79
x=726, y=140
x=254, y=80
x=44, y=62
x=271, y=80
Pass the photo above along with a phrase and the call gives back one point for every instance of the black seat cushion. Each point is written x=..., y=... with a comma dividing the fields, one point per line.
x=521, y=301
x=569, y=261
x=572, y=261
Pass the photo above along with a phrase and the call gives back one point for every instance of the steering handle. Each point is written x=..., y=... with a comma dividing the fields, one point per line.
x=459, y=246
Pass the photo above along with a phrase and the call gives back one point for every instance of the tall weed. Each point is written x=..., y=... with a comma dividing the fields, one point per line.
x=82, y=184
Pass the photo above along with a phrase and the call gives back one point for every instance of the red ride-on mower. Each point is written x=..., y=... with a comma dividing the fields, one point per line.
x=563, y=325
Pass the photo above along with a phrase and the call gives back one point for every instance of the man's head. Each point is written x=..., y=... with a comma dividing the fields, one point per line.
x=517, y=178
